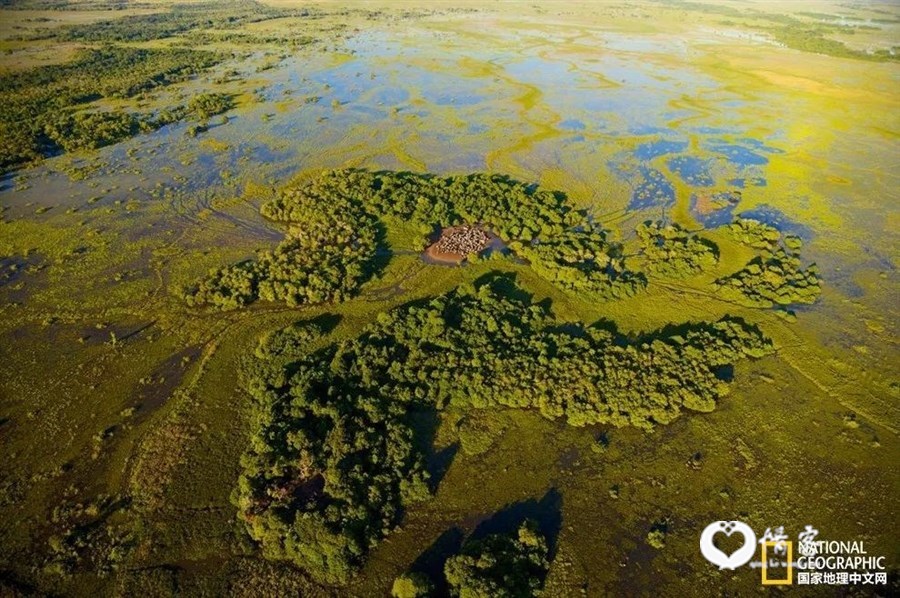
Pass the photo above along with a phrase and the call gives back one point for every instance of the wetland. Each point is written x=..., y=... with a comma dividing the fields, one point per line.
x=234, y=360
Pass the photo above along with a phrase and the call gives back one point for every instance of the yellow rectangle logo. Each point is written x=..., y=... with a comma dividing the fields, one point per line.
x=789, y=580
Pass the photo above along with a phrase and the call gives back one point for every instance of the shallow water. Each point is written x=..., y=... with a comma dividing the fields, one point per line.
x=637, y=122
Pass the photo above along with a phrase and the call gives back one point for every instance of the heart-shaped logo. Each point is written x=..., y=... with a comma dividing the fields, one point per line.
x=715, y=556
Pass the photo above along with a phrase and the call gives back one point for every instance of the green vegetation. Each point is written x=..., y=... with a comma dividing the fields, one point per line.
x=64, y=4
x=479, y=432
x=500, y=565
x=326, y=255
x=812, y=38
x=328, y=471
x=89, y=536
x=292, y=40
x=179, y=19
x=581, y=259
x=289, y=342
x=672, y=251
x=773, y=277
x=656, y=537
x=412, y=585
x=561, y=243
x=90, y=130
x=206, y=105
x=794, y=33
x=754, y=233
x=36, y=106
x=513, y=210
x=334, y=460
x=335, y=223
x=332, y=242
x=125, y=420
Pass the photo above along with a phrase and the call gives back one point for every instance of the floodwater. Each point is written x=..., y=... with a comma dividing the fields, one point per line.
x=634, y=126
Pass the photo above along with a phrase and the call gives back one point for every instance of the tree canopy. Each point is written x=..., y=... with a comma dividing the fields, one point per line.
x=334, y=221
x=671, y=251
x=334, y=457
x=500, y=565
x=775, y=276
x=39, y=107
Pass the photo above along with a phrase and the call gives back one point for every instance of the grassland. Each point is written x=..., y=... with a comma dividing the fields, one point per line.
x=124, y=411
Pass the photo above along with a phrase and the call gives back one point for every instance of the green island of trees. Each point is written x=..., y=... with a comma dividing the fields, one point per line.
x=775, y=277
x=753, y=233
x=581, y=259
x=334, y=224
x=91, y=130
x=672, y=251
x=73, y=131
x=206, y=105
x=335, y=456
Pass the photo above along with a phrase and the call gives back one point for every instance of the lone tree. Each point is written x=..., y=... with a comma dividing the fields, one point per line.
x=500, y=565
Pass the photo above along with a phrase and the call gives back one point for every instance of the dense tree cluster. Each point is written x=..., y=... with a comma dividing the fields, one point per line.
x=670, y=250
x=582, y=260
x=513, y=210
x=324, y=257
x=288, y=40
x=329, y=469
x=335, y=219
x=36, y=105
x=228, y=287
x=205, y=105
x=754, y=233
x=478, y=348
x=328, y=474
x=66, y=4
x=500, y=565
x=333, y=457
x=773, y=277
x=412, y=585
x=90, y=130
x=817, y=39
x=288, y=342
x=562, y=244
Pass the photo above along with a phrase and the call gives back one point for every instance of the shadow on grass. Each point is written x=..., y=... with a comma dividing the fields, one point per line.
x=546, y=512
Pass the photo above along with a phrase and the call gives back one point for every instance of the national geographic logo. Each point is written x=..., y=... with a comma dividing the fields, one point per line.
x=821, y=562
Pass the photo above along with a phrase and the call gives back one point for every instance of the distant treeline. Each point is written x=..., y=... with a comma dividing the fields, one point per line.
x=174, y=20
x=41, y=110
x=797, y=34
x=69, y=5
